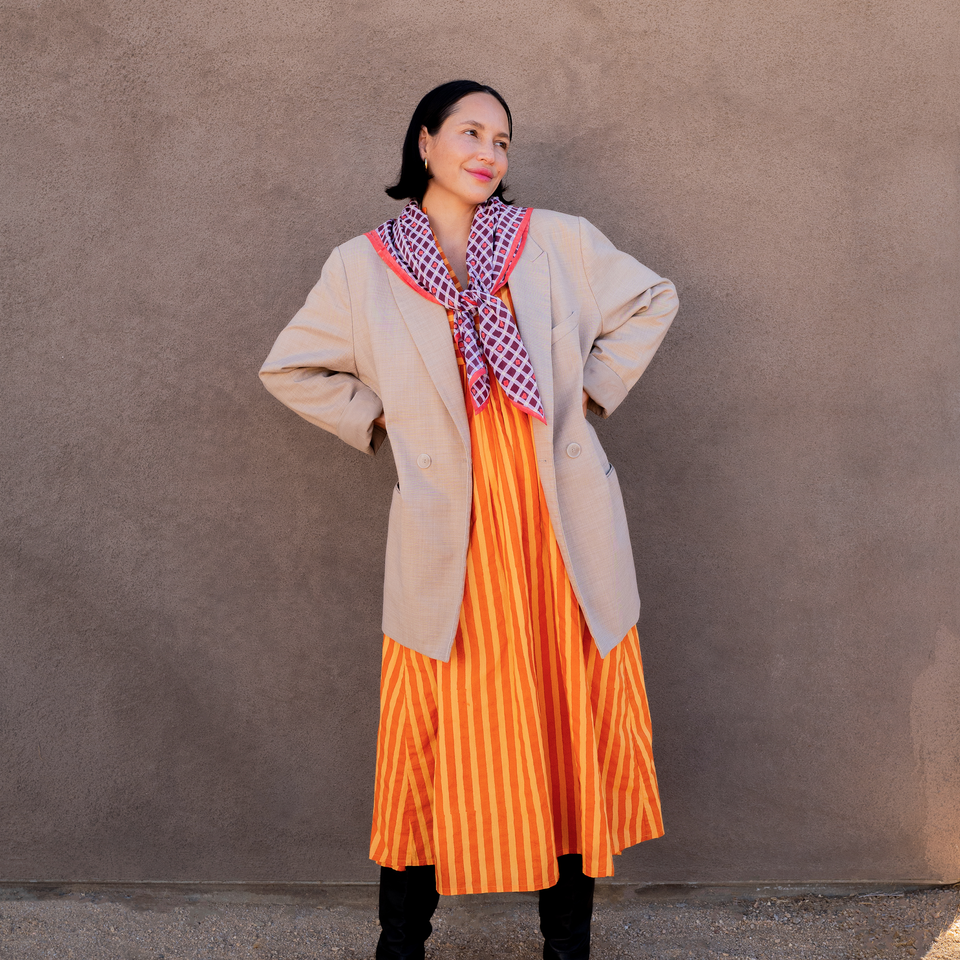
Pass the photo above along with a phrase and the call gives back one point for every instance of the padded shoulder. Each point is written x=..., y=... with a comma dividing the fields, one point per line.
x=549, y=224
x=359, y=251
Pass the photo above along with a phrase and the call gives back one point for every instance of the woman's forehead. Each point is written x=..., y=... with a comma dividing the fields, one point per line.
x=481, y=108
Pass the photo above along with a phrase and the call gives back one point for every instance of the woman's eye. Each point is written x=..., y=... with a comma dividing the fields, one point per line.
x=502, y=144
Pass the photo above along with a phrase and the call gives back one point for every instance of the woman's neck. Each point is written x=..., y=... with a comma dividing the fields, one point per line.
x=451, y=223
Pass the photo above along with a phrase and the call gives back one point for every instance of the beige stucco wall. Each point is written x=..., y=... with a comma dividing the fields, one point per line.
x=190, y=589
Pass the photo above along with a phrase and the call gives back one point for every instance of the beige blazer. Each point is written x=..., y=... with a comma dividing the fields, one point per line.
x=366, y=343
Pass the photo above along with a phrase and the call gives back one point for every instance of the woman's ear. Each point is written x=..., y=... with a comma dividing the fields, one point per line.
x=424, y=135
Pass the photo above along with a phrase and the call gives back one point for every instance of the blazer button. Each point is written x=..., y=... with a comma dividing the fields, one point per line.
x=573, y=450
x=424, y=461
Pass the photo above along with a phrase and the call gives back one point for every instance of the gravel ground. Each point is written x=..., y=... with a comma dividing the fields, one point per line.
x=297, y=922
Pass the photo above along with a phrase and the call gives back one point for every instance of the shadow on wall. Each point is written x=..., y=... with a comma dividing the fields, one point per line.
x=936, y=743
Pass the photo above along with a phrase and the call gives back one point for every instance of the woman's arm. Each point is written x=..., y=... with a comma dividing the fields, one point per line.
x=312, y=366
x=636, y=309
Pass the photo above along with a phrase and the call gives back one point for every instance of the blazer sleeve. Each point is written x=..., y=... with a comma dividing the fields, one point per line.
x=312, y=366
x=636, y=309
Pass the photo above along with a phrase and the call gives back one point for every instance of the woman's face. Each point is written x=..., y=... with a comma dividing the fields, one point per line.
x=468, y=156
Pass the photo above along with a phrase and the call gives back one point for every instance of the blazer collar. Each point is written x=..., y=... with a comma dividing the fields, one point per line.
x=428, y=325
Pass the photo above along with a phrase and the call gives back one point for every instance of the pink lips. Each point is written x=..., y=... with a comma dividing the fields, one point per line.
x=483, y=175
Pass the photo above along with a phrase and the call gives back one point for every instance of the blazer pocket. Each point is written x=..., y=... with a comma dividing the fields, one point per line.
x=564, y=327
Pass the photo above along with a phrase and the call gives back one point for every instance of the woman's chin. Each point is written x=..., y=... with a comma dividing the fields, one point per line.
x=475, y=197
x=471, y=194
x=484, y=195
x=477, y=190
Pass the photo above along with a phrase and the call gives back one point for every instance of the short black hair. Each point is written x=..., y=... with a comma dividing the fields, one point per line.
x=431, y=111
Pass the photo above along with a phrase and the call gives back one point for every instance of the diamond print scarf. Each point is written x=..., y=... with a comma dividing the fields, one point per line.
x=484, y=329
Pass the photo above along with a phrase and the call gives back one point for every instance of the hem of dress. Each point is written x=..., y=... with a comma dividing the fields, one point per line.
x=643, y=839
x=494, y=888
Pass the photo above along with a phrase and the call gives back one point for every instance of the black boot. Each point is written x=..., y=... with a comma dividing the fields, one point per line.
x=565, y=912
x=407, y=901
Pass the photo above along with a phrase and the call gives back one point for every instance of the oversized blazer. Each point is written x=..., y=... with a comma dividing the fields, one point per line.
x=366, y=343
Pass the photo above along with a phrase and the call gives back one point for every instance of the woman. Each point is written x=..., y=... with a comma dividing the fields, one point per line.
x=514, y=743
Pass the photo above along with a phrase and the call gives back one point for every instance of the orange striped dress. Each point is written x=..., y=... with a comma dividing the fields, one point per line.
x=527, y=744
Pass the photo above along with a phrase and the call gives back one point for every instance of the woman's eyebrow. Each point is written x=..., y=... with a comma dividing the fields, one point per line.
x=482, y=126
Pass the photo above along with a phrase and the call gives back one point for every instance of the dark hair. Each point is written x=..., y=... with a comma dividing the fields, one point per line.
x=431, y=111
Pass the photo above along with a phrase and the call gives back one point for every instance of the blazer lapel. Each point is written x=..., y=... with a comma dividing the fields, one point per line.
x=430, y=329
x=530, y=291
x=428, y=325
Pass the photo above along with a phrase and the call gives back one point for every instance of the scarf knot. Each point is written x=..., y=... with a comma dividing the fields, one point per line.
x=485, y=331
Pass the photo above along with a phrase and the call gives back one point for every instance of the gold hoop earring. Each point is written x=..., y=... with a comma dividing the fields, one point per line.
x=425, y=167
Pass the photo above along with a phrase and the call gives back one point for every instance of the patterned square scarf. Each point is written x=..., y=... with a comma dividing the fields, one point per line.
x=484, y=328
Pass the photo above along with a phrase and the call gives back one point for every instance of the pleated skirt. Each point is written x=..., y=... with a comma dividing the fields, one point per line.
x=527, y=744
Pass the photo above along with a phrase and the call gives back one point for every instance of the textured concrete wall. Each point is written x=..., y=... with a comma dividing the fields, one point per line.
x=191, y=574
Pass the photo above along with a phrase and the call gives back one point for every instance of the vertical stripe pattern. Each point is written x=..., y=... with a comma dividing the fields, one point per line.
x=527, y=744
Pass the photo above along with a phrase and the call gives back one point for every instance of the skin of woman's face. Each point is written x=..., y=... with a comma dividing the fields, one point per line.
x=468, y=156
